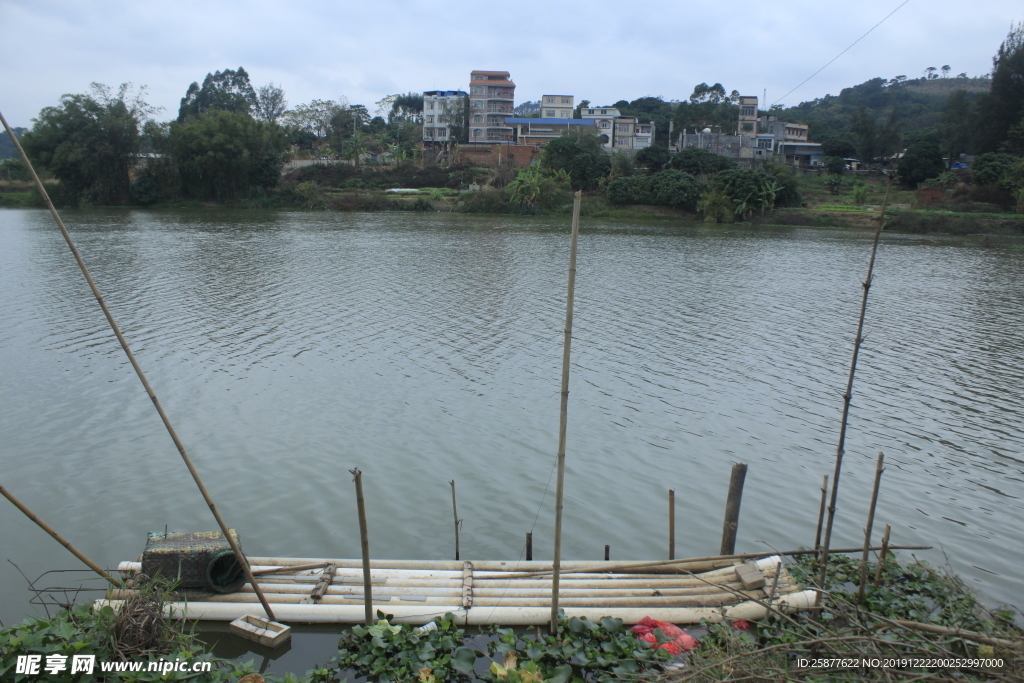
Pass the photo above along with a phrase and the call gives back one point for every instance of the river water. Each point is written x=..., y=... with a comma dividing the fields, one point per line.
x=288, y=348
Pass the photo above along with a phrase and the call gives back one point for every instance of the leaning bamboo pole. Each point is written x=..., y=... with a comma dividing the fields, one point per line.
x=848, y=395
x=57, y=537
x=563, y=413
x=138, y=369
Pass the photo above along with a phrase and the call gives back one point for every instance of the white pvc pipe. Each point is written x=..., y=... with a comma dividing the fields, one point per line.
x=477, y=616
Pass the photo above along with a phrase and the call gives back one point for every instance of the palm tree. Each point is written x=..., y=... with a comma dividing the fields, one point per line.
x=354, y=148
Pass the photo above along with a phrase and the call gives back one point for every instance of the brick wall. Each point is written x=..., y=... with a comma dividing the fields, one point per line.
x=487, y=155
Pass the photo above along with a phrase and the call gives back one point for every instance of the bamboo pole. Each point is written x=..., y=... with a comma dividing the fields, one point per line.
x=455, y=511
x=671, y=524
x=867, y=532
x=821, y=512
x=364, y=539
x=563, y=414
x=881, y=556
x=848, y=396
x=529, y=546
x=138, y=369
x=705, y=563
x=607, y=552
x=732, y=508
x=57, y=537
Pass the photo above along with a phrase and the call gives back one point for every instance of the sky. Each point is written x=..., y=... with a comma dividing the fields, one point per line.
x=598, y=50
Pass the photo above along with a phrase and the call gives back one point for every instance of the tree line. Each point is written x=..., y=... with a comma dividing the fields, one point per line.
x=228, y=141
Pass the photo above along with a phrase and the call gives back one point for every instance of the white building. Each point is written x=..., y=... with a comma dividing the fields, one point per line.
x=618, y=132
x=557, y=106
x=440, y=107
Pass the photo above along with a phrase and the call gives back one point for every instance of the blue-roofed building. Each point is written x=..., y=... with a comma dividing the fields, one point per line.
x=527, y=131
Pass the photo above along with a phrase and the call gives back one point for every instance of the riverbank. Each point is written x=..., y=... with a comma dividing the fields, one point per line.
x=495, y=202
x=910, y=611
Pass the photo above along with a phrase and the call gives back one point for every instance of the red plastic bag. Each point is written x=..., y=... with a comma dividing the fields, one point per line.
x=681, y=640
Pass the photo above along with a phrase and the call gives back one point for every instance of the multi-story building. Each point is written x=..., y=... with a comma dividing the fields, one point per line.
x=757, y=139
x=557, y=106
x=443, y=113
x=491, y=100
x=618, y=132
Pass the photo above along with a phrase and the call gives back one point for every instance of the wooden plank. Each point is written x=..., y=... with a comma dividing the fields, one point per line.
x=750, y=576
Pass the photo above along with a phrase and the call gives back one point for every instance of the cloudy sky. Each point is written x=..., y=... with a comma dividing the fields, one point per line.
x=599, y=50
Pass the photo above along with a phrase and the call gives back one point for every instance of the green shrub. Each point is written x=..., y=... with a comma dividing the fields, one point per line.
x=697, y=161
x=715, y=206
x=989, y=168
x=486, y=201
x=665, y=188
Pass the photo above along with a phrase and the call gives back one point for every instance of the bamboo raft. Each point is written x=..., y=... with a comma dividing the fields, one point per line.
x=494, y=592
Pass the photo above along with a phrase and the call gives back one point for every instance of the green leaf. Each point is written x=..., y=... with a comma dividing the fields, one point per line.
x=627, y=667
x=611, y=623
x=560, y=674
x=576, y=625
x=463, y=660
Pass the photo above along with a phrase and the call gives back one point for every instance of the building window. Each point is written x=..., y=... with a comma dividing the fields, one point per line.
x=747, y=111
x=430, y=105
x=604, y=111
x=566, y=100
x=478, y=133
x=441, y=132
x=622, y=142
x=478, y=104
x=549, y=100
x=549, y=112
x=478, y=118
x=621, y=127
x=429, y=118
x=764, y=144
x=478, y=90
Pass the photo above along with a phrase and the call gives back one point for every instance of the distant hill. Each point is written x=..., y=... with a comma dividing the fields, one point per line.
x=7, y=150
x=917, y=102
x=527, y=107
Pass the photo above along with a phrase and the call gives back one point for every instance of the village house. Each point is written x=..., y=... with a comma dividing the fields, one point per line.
x=757, y=139
x=443, y=111
x=491, y=100
x=618, y=132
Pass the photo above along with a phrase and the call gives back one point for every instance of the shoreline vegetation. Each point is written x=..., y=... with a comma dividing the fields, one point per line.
x=840, y=211
x=910, y=611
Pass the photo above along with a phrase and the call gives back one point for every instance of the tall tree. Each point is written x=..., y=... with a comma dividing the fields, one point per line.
x=865, y=130
x=1003, y=106
x=314, y=117
x=226, y=90
x=90, y=142
x=708, y=93
x=956, y=125
x=222, y=155
x=269, y=104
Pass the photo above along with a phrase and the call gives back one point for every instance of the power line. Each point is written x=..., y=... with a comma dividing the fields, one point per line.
x=841, y=53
